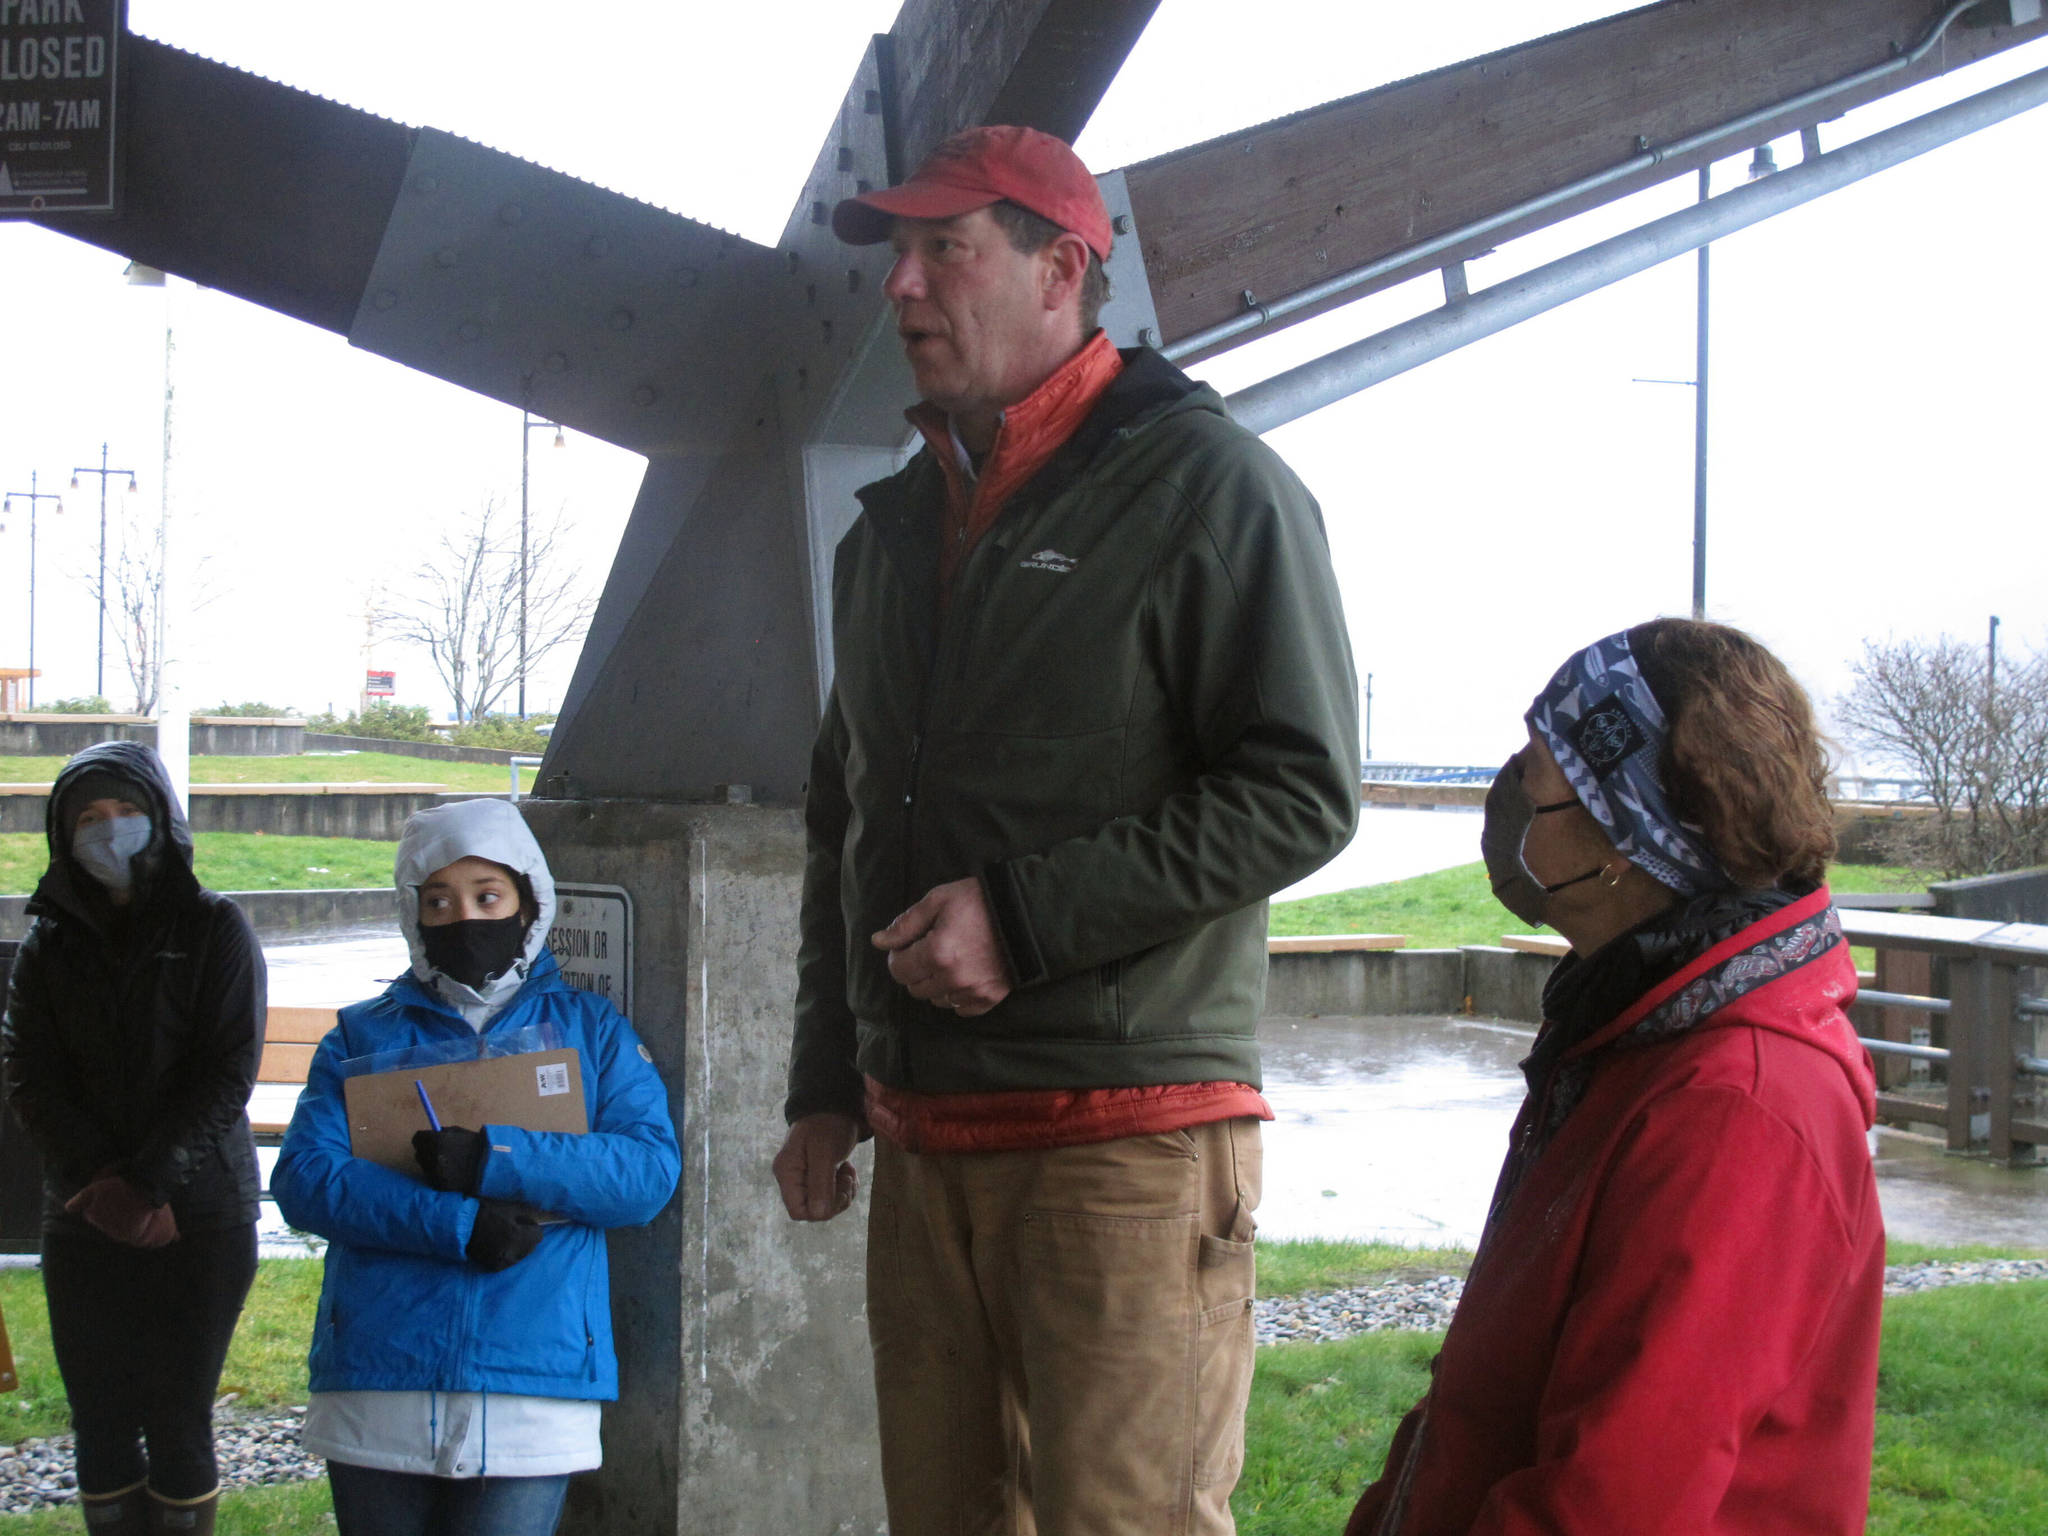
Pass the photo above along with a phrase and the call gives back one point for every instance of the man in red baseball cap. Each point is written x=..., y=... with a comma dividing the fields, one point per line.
x=1093, y=703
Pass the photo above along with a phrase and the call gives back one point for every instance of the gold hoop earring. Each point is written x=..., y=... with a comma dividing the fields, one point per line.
x=1614, y=874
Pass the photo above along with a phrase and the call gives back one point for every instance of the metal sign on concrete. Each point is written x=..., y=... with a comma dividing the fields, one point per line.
x=592, y=939
x=58, y=103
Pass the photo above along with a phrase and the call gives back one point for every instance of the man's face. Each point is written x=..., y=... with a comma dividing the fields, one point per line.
x=970, y=308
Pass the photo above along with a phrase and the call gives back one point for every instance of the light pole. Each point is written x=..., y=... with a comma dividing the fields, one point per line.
x=32, y=496
x=99, y=685
x=528, y=422
x=1698, y=385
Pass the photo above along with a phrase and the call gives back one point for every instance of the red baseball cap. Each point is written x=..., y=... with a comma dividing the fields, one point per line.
x=979, y=166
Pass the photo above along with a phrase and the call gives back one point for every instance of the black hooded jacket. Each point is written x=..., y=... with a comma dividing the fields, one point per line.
x=132, y=1034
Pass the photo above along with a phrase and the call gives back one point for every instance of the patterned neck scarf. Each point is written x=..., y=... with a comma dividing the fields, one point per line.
x=1606, y=730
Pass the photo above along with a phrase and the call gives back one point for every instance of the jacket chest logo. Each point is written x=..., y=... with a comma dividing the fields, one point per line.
x=1049, y=560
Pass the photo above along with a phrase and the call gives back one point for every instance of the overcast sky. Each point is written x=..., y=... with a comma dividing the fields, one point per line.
x=1877, y=379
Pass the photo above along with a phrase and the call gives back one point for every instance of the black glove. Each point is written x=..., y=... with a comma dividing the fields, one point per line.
x=452, y=1159
x=503, y=1235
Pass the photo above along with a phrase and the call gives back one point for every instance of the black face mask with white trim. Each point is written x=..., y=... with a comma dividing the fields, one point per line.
x=475, y=950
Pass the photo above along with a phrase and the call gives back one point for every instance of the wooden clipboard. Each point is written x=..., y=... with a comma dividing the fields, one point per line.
x=534, y=1090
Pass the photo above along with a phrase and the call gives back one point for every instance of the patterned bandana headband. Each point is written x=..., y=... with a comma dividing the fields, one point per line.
x=1606, y=730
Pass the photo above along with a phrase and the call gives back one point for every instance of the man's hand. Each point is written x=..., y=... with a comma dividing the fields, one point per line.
x=812, y=1171
x=944, y=950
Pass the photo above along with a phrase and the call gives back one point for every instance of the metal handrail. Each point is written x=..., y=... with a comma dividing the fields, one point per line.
x=513, y=765
x=1982, y=1105
x=1900, y=1048
x=1903, y=1000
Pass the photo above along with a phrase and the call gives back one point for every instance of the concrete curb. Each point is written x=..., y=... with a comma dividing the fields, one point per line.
x=1478, y=978
x=271, y=913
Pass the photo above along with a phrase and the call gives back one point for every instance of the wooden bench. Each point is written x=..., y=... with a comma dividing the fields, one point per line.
x=290, y=1036
x=1549, y=944
x=1334, y=943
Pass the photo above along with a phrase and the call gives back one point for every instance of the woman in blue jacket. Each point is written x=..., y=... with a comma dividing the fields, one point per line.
x=462, y=1347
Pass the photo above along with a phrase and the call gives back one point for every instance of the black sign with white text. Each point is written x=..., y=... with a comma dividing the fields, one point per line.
x=57, y=101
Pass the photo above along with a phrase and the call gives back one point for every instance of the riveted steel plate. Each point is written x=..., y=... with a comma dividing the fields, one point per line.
x=537, y=289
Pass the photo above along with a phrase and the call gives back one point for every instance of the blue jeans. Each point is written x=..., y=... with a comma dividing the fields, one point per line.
x=368, y=1502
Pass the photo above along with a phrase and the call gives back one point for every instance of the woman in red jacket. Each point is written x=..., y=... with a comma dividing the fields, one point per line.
x=1671, y=1324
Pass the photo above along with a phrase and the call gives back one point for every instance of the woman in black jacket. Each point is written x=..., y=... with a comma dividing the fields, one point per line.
x=134, y=1022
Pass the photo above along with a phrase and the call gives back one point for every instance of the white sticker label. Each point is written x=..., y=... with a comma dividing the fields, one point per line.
x=552, y=1078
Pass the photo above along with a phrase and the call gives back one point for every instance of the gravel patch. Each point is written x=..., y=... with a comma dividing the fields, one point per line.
x=264, y=1448
x=1426, y=1305
x=1418, y=1305
x=1906, y=1279
x=253, y=1448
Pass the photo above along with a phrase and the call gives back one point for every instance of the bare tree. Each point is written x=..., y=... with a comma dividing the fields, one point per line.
x=134, y=599
x=462, y=606
x=1933, y=708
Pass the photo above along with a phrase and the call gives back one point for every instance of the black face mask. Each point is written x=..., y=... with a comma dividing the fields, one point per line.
x=476, y=950
x=1508, y=814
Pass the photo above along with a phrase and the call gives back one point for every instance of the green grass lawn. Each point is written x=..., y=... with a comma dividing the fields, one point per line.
x=1455, y=906
x=253, y=861
x=236, y=861
x=1962, y=1396
x=309, y=768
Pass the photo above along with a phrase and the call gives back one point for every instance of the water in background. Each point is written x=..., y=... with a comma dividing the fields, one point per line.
x=1389, y=1128
x=1396, y=843
x=1394, y=1128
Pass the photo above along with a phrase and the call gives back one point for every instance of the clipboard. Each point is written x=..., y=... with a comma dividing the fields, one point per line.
x=534, y=1090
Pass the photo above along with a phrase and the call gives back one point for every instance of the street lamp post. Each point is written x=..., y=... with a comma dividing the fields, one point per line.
x=528, y=423
x=99, y=685
x=33, y=497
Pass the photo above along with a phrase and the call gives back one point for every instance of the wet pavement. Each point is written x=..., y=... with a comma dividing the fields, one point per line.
x=1388, y=1128
x=1393, y=1129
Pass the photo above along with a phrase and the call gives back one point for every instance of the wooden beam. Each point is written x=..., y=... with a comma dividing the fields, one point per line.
x=1277, y=208
x=1334, y=943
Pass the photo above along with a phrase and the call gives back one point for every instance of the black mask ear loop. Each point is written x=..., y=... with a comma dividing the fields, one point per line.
x=1544, y=810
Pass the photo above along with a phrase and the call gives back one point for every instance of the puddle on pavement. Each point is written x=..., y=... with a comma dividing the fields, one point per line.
x=1394, y=1128
x=1388, y=1128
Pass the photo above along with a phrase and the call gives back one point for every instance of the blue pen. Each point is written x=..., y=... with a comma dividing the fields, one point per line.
x=427, y=1104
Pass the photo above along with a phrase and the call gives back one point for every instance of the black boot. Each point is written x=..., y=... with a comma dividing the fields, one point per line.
x=182, y=1517
x=123, y=1513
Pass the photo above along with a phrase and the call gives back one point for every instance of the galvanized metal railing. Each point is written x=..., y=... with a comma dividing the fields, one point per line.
x=1993, y=1094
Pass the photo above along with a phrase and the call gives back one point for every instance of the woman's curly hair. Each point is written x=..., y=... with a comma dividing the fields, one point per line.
x=1742, y=759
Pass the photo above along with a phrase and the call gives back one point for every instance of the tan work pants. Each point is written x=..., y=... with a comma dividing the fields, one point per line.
x=1063, y=1340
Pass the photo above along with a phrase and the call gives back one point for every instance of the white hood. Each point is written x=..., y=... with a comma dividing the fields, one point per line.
x=471, y=829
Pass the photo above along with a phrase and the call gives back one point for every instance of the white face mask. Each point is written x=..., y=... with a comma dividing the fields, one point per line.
x=103, y=849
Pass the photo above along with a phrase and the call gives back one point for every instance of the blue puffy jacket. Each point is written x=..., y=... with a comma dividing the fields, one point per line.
x=402, y=1308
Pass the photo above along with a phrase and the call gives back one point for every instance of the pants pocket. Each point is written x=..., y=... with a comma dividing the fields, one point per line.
x=1225, y=1284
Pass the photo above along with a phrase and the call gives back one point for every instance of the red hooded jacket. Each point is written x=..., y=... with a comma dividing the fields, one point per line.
x=1672, y=1323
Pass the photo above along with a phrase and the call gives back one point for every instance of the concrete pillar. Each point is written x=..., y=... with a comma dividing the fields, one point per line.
x=746, y=1399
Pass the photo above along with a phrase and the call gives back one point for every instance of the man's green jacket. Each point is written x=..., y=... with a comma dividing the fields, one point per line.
x=1135, y=720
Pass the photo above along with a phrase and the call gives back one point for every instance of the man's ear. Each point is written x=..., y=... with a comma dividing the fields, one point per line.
x=1064, y=263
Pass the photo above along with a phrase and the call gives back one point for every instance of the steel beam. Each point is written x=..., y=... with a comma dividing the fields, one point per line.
x=272, y=194
x=1045, y=63
x=718, y=648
